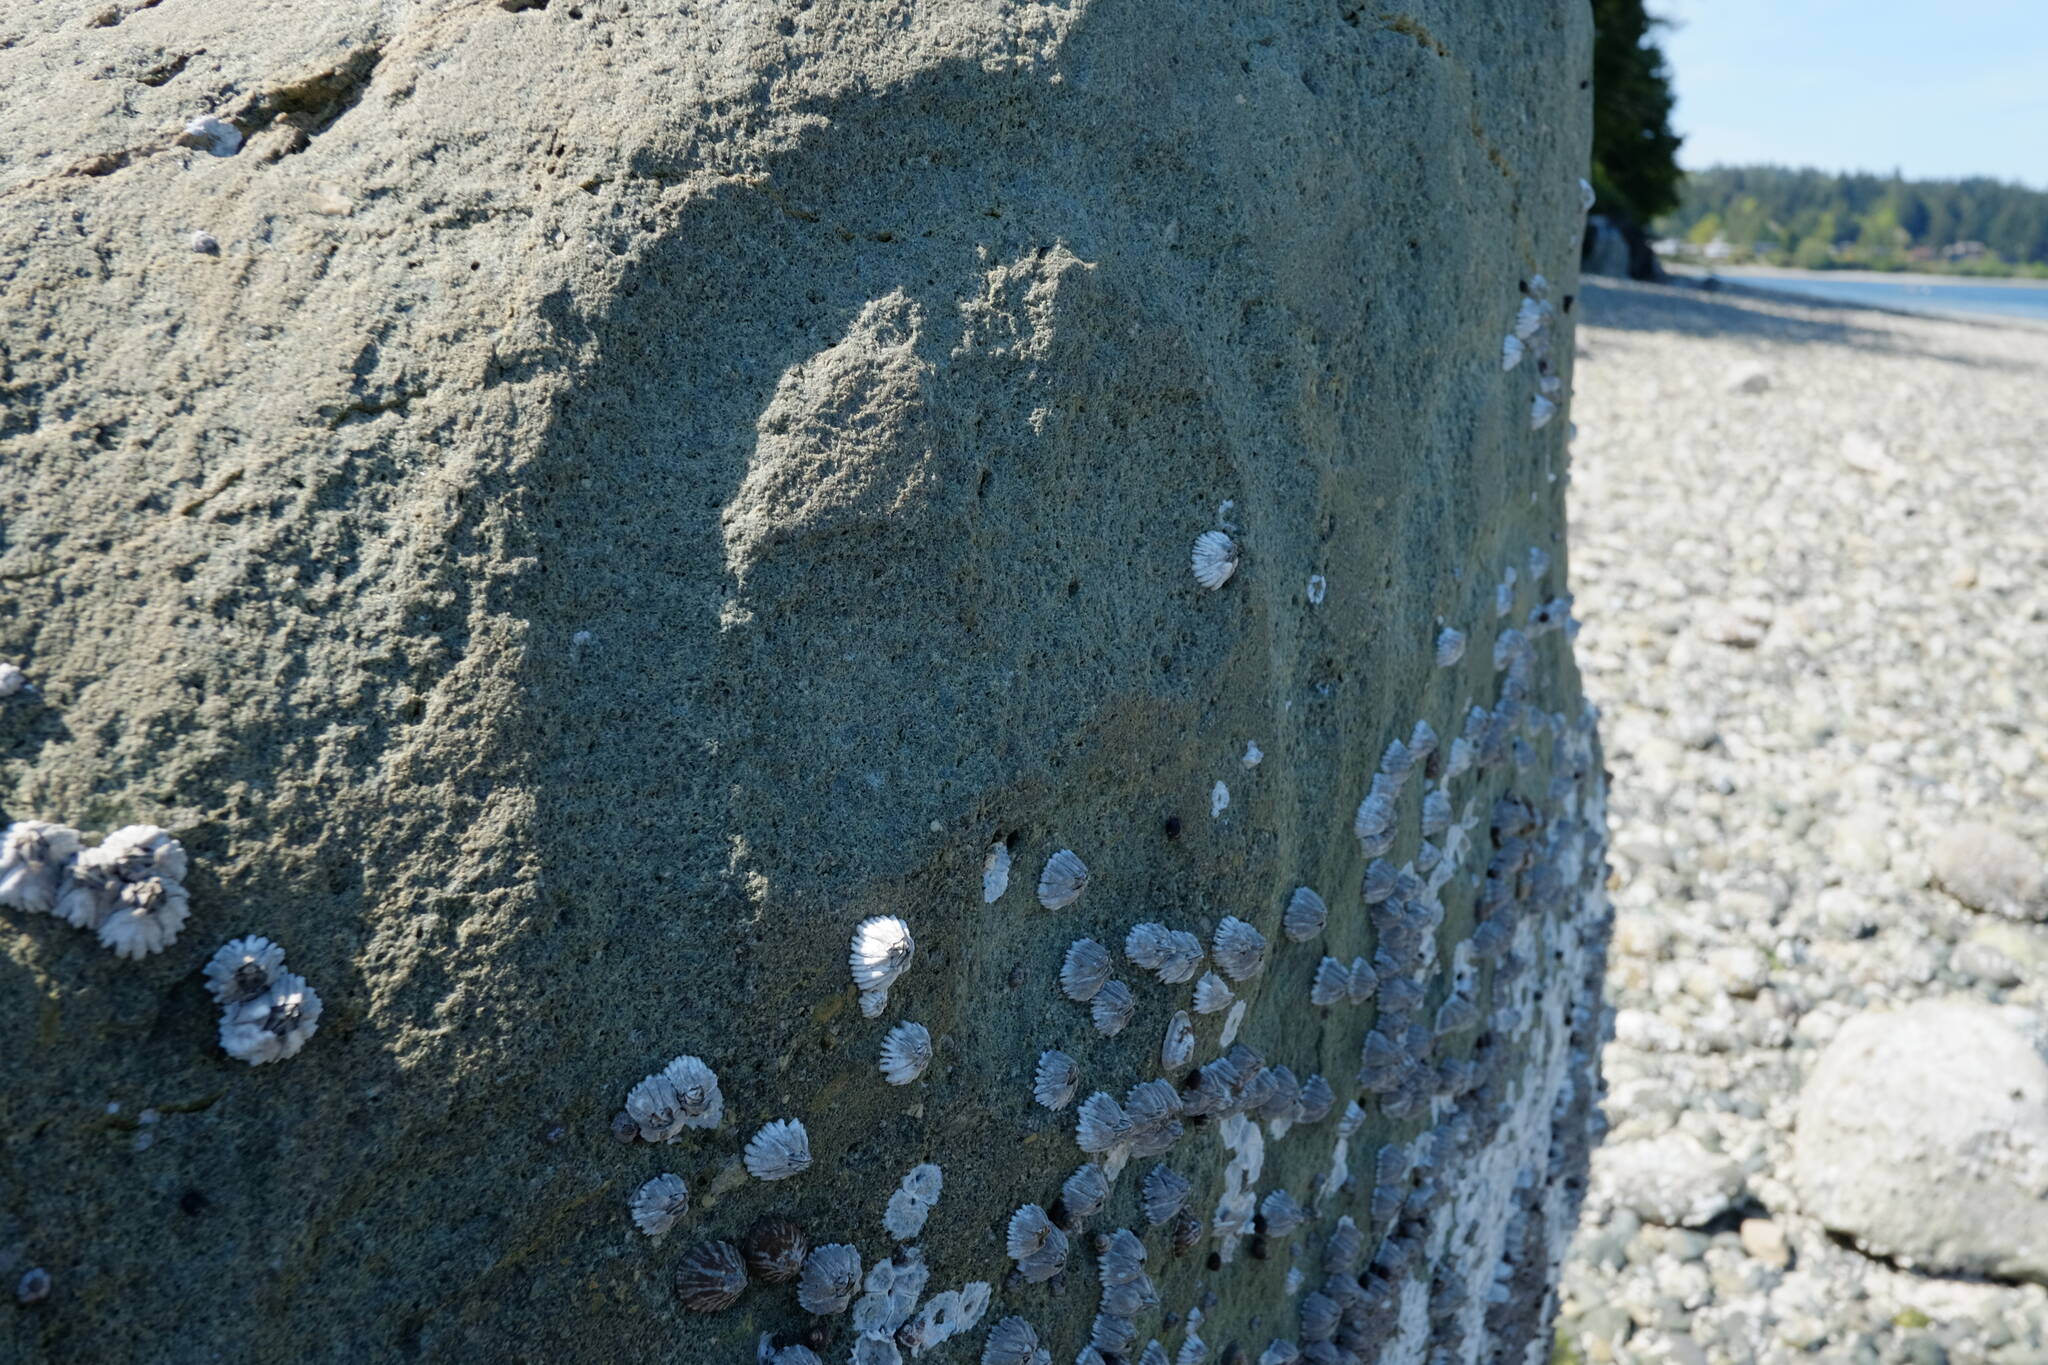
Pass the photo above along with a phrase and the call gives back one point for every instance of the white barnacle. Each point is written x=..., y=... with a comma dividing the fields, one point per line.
x=879, y=1350
x=1219, y=799
x=1316, y=1100
x=1281, y=1214
x=1239, y=949
x=242, y=969
x=1122, y=1258
x=657, y=1205
x=1539, y=561
x=273, y=1026
x=1085, y=970
x=787, y=1355
x=1154, y=1354
x=1179, y=1044
x=683, y=1094
x=1214, y=559
x=34, y=855
x=881, y=951
x=1586, y=195
x=995, y=872
x=1374, y=821
x=779, y=1150
x=1180, y=957
x=913, y=1201
x=1212, y=995
x=831, y=1274
x=946, y=1315
x=1113, y=1335
x=1064, y=879
x=12, y=680
x=1511, y=349
x=1306, y=915
x=1038, y=1247
x=1112, y=1008
x=1332, y=985
x=1055, y=1082
x=1318, y=587
x=1422, y=740
x=1253, y=754
x=1232, y=1022
x=214, y=136
x=1165, y=1194
x=906, y=1052
x=1459, y=758
x=1014, y=1341
x=1145, y=944
x=1541, y=410
x=146, y=918
x=1351, y=1120
x=1084, y=1192
x=1280, y=1352
x=1455, y=1015
x=1379, y=881
x=1450, y=646
x=1101, y=1124
x=1363, y=981
x=1193, y=1351
x=1436, y=812
x=1529, y=318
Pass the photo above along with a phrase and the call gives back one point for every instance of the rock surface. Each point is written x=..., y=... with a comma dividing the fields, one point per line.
x=1990, y=869
x=1670, y=1180
x=585, y=503
x=1923, y=1134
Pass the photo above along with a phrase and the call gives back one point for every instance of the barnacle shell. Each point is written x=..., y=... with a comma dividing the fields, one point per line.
x=1529, y=317
x=1152, y=1109
x=906, y=1052
x=1120, y=1257
x=789, y=1355
x=1380, y=879
x=1541, y=410
x=1240, y=949
x=1316, y=1100
x=774, y=1250
x=1214, y=559
x=1113, y=1334
x=1101, y=1123
x=1211, y=994
x=1178, y=958
x=995, y=873
x=1436, y=812
x=1456, y=1015
x=1193, y=1351
x=1112, y=1008
x=1219, y=799
x=33, y=857
x=1280, y=1353
x=946, y=1315
x=274, y=1025
x=829, y=1278
x=1179, y=1043
x=1057, y=1077
x=1165, y=1194
x=683, y=1094
x=1038, y=1248
x=711, y=1277
x=881, y=951
x=1281, y=1213
x=1084, y=1193
x=137, y=852
x=1185, y=1234
x=1332, y=985
x=779, y=1150
x=1374, y=822
x=1346, y=1245
x=1306, y=915
x=659, y=1203
x=1422, y=740
x=1319, y=1314
x=913, y=1201
x=242, y=969
x=876, y=1351
x=147, y=917
x=1155, y=1354
x=1145, y=944
x=12, y=679
x=1064, y=879
x=1511, y=349
x=1085, y=969
x=1014, y=1341
x=1450, y=647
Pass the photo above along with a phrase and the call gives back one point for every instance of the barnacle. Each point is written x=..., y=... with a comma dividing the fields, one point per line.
x=1450, y=647
x=1399, y=994
x=830, y=1275
x=1280, y=1353
x=1219, y=799
x=659, y=1203
x=1436, y=812
x=1120, y=1257
x=1084, y=1193
x=1178, y=958
x=875, y=1351
x=711, y=1277
x=1381, y=1063
x=1306, y=915
x=1279, y=1097
x=1064, y=879
x=1113, y=1334
x=1179, y=1043
x=1351, y=1120
x=1211, y=994
x=904, y=1216
x=1240, y=950
x=146, y=918
x=881, y=951
x=1541, y=410
x=683, y=1094
x=1214, y=559
x=1112, y=1008
x=273, y=1026
x=1154, y=1354
x=1185, y=1233
x=1101, y=1123
x=1014, y=1341
x=1193, y=1351
x=1085, y=969
x=242, y=969
x=1318, y=586
x=33, y=857
x=1281, y=1213
x=1510, y=351
x=789, y=1355
x=774, y=1250
x=1346, y=1245
x=1319, y=1314
x=1038, y=1248
x=1152, y=1110
x=1373, y=824
x=215, y=136
x=946, y=1315
x=1316, y=1100
x=1165, y=1194
x=1379, y=882
x=1332, y=985
x=906, y=1052
x=1529, y=317
x=779, y=1150
x=1455, y=1015
x=893, y=1285
x=995, y=872
x=1057, y=1077
x=1252, y=754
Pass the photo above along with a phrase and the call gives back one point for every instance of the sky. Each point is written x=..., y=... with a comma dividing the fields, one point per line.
x=1936, y=90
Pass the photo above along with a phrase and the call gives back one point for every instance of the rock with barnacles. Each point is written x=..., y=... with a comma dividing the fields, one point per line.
x=605, y=567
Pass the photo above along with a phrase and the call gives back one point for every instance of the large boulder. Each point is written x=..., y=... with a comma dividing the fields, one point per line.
x=566, y=510
x=1923, y=1135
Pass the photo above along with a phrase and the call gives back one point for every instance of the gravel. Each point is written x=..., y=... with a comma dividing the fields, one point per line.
x=1810, y=551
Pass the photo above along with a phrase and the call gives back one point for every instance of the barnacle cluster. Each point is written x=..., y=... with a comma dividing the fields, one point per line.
x=266, y=1013
x=684, y=1094
x=129, y=889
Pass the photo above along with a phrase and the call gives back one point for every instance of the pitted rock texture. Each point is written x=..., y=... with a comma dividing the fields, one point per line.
x=621, y=493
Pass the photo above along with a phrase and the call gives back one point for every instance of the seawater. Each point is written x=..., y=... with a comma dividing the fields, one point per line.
x=2018, y=299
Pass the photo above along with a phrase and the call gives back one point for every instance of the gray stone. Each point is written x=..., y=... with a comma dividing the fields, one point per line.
x=1671, y=1180
x=635, y=489
x=1991, y=869
x=1923, y=1134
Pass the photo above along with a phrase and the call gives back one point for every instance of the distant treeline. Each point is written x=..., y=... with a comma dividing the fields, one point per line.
x=1815, y=220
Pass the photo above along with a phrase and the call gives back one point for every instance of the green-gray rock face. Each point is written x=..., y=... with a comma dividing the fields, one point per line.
x=567, y=511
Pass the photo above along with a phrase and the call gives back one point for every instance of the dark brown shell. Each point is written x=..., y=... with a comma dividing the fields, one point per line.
x=775, y=1249
x=1187, y=1230
x=711, y=1277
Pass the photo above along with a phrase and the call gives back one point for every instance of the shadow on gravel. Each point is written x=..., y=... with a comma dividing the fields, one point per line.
x=1733, y=311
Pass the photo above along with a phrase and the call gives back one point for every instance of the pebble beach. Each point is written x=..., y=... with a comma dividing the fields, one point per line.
x=1810, y=549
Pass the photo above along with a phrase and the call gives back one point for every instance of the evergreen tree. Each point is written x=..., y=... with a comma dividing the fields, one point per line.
x=1635, y=153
